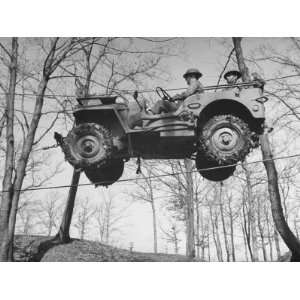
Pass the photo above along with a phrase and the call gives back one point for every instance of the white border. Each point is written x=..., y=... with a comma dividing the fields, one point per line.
x=149, y=18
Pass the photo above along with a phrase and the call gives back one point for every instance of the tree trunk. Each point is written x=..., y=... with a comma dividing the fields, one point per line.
x=154, y=226
x=296, y=228
x=208, y=243
x=251, y=213
x=277, y=246
x=220, y=250
x=231, y=230
x=270, y=235
x=198, y=228
x=82, y=231
x=108, y=221
x=49, y=228
x=203, y=235
x=245, y=242
x=277, y=212
x=214, y=225
x=270, y=244
x=2, y=122
x=224, y=225
x=261, y=232
x=175, y=239
x=64, y=230
x=240, y=59
x=246, y=230
x=190, y=231
x=6, y=239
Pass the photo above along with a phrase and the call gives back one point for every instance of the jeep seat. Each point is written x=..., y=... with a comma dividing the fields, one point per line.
x=134, y=115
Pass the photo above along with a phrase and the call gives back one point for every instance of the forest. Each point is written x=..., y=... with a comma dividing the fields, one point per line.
x=167, y=208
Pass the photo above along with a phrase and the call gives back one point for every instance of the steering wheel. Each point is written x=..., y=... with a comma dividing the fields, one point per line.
x=163, y=94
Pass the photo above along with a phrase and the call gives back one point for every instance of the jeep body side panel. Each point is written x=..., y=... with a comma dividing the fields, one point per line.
x=246, y=97
x=112, y=117
x=152, y=146
x=100, y=113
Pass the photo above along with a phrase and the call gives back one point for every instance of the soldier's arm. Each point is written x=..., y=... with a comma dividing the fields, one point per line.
x=192, y=89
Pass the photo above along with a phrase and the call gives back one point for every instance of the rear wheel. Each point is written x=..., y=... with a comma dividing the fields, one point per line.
x=225, y=139
x=88, y=145
x=107, y=174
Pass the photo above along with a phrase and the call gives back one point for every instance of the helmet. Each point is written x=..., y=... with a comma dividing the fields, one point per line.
x=234, y=73
x=192, y=71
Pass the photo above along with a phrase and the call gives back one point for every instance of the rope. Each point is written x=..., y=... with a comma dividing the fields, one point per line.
x=149, y=177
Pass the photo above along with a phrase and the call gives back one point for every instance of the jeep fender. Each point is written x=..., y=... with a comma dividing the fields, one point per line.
x=244, y=105
x=113, y=117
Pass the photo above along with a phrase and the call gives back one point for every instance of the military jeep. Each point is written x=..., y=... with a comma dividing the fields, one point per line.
x=217, y=129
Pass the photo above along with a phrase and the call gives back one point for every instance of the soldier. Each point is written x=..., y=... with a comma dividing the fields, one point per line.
x=231, y=78
x=260, y=82
x=194, y=86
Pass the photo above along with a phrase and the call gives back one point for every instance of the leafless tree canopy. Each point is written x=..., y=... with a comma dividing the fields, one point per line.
x=253, y=216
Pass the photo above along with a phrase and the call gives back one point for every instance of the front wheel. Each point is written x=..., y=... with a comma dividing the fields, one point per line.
x=225, y=139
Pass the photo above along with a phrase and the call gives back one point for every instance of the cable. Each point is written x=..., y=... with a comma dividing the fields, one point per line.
x=149, y=177
x=129, y=91
x=42, y=113
x=122, y=91
x=283, y=77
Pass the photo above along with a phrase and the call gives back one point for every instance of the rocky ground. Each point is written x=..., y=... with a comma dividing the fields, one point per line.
x=82, y=250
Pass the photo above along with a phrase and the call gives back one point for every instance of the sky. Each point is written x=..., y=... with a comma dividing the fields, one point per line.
x=209, y=56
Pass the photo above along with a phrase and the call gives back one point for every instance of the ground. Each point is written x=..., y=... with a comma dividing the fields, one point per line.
x=82, y=250
x=285, y=257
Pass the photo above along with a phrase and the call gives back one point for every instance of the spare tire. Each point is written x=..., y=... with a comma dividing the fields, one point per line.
x=88, y=145
x=107, y=174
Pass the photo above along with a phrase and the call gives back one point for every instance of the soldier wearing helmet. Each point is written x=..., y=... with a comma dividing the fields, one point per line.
x=232, y=78
x=194, y=86
x=191, y=77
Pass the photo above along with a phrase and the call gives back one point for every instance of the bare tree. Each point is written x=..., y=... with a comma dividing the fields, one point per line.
x=7, y=229
x=181, y=187
x=291, y=241
x=108, y=218
x=58, y=50
x=190, y=219
x=202, y=234
x=251, y=214
x=49, y=212
x=232, y=217
x=83, y=217
x=26, y=221
x=171, y=235
x=224, y=226
x=261, y=230
x=214, y=218
x=2, y=122
x=63, y=234
x=146, y=193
